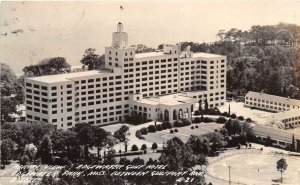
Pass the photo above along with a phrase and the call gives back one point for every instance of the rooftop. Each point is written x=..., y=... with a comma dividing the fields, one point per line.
x=286, y=114
x=274, y=133
x=160, y=53
x=206, y=55
x=67, y=76
x=171, y=99
x=269, y=97
x=149, y=54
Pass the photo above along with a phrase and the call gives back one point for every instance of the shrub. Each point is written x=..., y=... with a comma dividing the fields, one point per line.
x=197, y=113
x=166, y=125
x=145, y=151
x=233, y=116
x=225, y=114
x=192, y=127
x=171, y=131
x=144, y=147
x=159, y=127
x=138, y=133
x=142, y=137
x=134, y=148
x=186, y=122
x=248, y=120
x=154, y=146
x=144, y=131
x=241, y=118
x=206, y=120
x=178, y=123
x=175, y=130
x=196, y=126
x=221, y=120
x=197, y=120
x=152, y=128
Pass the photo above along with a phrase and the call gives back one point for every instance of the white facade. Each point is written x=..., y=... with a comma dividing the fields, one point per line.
x=270, y=102
x=288, y=110
x=285, y=119
x=102, y=97
x=170, y=107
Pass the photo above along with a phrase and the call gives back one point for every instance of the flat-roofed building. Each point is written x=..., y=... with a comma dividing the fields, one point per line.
x=170, y=107
x=285, y=119
x=280, y=138
x=270, y=102
x=102, y=97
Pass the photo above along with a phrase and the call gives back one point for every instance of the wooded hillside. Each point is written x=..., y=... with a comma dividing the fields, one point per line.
x=264, y=58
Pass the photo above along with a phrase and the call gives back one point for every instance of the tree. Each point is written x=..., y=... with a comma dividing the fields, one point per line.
x=293, y=144
x=7, y=150
x=121, y=134
x=49, y=66
x=154, y=147
x=100, y=138
x=206, y=104
x=141, y=48
x=85, y=135
x=177, y=155
x=8, y=78
x=200, y=105
x=58, y=141
x=281, y=166
x=92, y=60
x=8, y=107
x=45, y=150
x=11, y=93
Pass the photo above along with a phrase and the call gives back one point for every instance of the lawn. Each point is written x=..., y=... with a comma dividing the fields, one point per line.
x=160, y=136
x=183, y=132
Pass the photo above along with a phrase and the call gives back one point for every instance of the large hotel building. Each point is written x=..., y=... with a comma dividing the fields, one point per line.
x=131, y=82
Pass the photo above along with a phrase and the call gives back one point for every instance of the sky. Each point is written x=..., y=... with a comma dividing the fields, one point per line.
x=33, y=31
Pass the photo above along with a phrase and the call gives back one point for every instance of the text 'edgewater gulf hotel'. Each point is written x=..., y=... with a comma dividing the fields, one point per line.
x=102, y=97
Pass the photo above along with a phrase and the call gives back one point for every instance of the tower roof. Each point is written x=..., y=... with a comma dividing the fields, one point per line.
x=120, y=27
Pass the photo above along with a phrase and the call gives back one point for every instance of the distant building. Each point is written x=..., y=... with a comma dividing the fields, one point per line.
x=270, y=102
x=285, y=119
x=101, y=97
x=280, y=138
x=288, y=110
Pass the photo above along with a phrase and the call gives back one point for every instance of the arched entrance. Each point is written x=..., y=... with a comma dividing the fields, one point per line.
x=166, y=115
x=174, y=114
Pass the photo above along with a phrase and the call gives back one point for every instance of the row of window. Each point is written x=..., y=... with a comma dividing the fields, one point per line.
x=99, y=85
x=98, y=79
x=116, y=53
x=266, y=106
x=270, y=102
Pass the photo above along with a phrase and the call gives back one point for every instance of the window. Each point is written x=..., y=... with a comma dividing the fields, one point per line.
x=44, y=88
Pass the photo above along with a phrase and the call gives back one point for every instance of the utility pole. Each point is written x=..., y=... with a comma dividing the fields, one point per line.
x=229, y=175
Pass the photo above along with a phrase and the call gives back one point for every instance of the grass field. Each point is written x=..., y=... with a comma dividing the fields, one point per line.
x=256, y=169
x=183, y=132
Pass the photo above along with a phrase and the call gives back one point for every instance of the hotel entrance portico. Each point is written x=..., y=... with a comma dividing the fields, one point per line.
x=170, y=107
